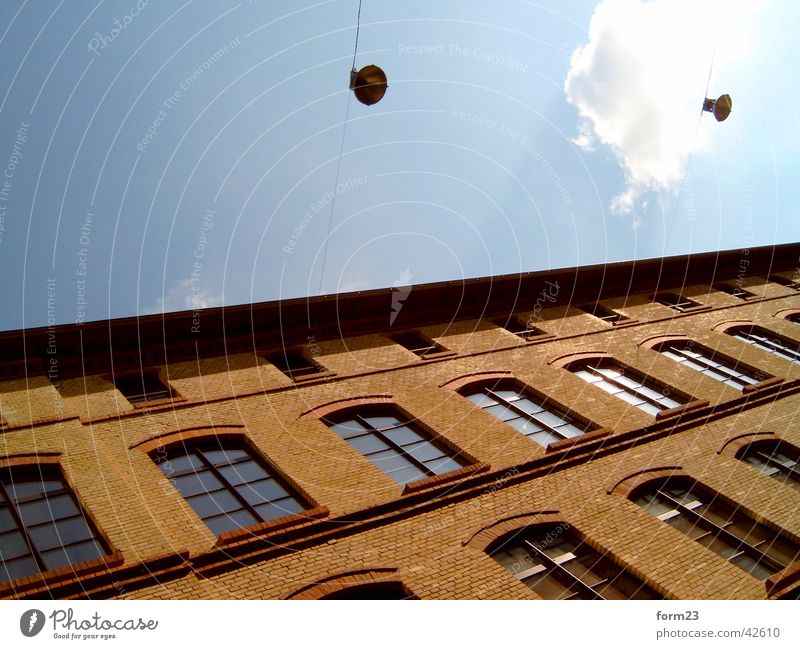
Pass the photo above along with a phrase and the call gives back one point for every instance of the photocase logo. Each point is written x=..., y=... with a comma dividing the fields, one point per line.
x=402, y=289
x=31, y=622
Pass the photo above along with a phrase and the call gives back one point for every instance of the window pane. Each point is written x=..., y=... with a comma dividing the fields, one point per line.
x=243, y=472
x=424, y=451
x=508, y=395
x=443, y=465
x=49, y=536
x=196, y=483
x=178, y=464
x=17, y=568
x=528, y=406
x=382, y=422
x=6, y=520
x=13, y=545
x=524, y=426
x=232, y=521
x=285, y=507
x=367, y=444
x=503, y=413
x=75, y=554
x=226, y=456
x=257, y=493
x=544, y=438
x=348, y=429
x=39, y=511
x=402, y=436
x=211, y=504
x=481, y=399
x=408, y=474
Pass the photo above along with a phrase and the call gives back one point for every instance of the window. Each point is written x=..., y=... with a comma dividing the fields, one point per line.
x=294, y=364
x=376, y=591
x=774, y=458
x=534, y=418
x=768, y=341
x=794, y=317
x=227, y=486
x=793, y=283
x=628, y=385
x=733, y=289
x=676, y=301
x=556, y=564
x=708, y=362
x=415, y=342
x=41, y=525
x=520, y=327
x=396, y=447
x=604, y=313
x=144, y=387
x=703, y=517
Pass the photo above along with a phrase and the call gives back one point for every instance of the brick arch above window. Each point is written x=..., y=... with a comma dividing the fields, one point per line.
x=569, y=359
x=152, y=444
x=491, y=533
x=465, y=380
x=734, y=444
x=342, y=406
x=633, y=481
x=332, y=583
x=788, y=314
x=723, y=327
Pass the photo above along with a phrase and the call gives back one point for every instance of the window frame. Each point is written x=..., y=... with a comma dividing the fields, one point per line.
x=730, y=288
x=766, y=340
x=606, y=314
x=42, y=473
x=283, y=360
x=790, y=474
x=418, y=343
x=168, y=393
x=568, y=416
x=712, y=362
x=521, y=328
x=676, y=301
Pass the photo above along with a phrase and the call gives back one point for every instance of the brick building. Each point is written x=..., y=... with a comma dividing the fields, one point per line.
x=616, y=431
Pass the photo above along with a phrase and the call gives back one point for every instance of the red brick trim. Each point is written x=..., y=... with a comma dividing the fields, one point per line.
x=484, y=537
x=681, y=410
x=156, y=442
x=158, y=403
x=347, y=403
x=572, y=441
x=332, y=583
x=735, y=444
x=41, y=583
x=660, y=339
x=633, y=481
x=266, y=528
x=325, y=375
x=23, y=459
x=786, y=313
x=789, y=576
x=723, y=327
x=568, y=359
x=460, y=382
x=450, y=476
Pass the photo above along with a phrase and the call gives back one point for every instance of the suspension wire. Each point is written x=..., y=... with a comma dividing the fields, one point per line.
x=696, y=130
x=339, y=162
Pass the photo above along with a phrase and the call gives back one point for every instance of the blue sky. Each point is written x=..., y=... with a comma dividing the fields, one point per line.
x=162, y=156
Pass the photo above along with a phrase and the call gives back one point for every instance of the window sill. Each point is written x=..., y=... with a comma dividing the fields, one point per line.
x=768, y=383
x=310, y=378
x=437, y=355
x=532, y=340
x=450, y=476
x=42, y=582
x=784, y=580
x=266, y=528
x=581, y=439
x=692, y=309
x=625, y=323
x=680, y=410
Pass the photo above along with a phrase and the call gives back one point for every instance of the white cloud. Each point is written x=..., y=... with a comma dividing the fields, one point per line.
x=185, y=295
x=638, y=84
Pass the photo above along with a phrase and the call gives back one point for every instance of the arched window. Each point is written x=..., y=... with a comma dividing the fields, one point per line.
x=701, y=514
x=710, y=363
x=557, y=564
x=774, y=458
x=396, y=446
x=768, y=341
x=42, y=526
x=534, y=417
x=629, y=385
x=373, y=591
x=227, y=485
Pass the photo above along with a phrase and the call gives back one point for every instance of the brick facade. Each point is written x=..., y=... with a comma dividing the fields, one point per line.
x=429, y=536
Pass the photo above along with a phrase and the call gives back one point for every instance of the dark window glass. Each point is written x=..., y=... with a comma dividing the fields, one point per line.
x=519, y=327
x=733, y=289
x=139, y=388
x=415, y=342
x=557, y=564
x=227, y=486
x=531, y=416
x=628, y=385
x=396, y=447
x=708, y=362
x=776, y=459
x=604, y=313
x=789, y=282
x=768, y=341
x=676, y=301
x=41, y=526
x=724, y=529
x=294, y=363
x=386, y=590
